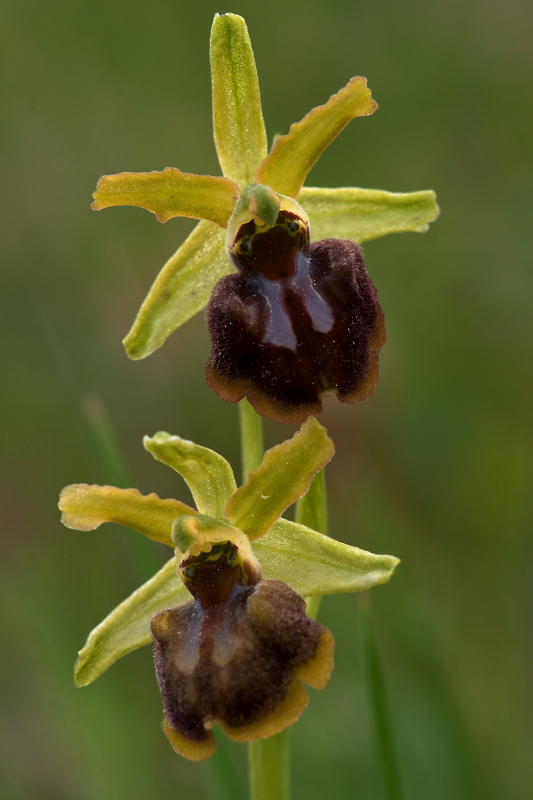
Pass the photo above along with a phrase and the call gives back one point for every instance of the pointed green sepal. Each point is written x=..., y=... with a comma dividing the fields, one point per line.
x=126, y=628
x=283, y=477
x=207, y=474
x=182, y=288
x=288, y=163
x=169, y=193
x=86, y=507
x=313, y=564
x=239, y=130
x=363, y=214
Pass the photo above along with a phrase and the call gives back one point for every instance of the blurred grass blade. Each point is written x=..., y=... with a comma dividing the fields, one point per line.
x=115, y=471
x=282, y=478
x=378, y=699
x=126, y=628
x=227, y=779
x=315, y=564
x=207, y=474
x=363, y=214
x=110, y=453
x=182, y=288
x=239, y=130
x=288, y=163
x=169, y=193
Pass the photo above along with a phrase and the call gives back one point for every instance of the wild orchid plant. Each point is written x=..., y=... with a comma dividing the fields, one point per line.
x=298, y=320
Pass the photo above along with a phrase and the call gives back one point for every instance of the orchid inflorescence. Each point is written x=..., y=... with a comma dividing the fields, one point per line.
x=245, y=633
x=298, y=320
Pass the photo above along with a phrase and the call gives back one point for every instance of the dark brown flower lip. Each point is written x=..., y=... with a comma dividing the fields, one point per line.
x=238, y=664
x=235, y=654
x=286, y=343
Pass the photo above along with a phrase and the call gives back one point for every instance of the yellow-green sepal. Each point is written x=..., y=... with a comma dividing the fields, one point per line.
x=126, y=627
x=169, y=193
x=85, y=508
x=282, y=478
x=182, y=288
x=363, y=214
x=292, y=156
x=207, y=474
x=314, y=564
x=239, y=129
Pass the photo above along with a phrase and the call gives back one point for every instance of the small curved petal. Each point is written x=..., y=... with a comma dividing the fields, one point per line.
x=181, y=289
x=239, y=130
x=363, y=214
x=126, y=628
x=288, y=163
x=312, y=564
x=86, y=507
x=207, y=474
x=283, y=477
x=169, y=193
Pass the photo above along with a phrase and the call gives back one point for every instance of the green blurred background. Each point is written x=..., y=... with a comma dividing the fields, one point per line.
x=435, y=467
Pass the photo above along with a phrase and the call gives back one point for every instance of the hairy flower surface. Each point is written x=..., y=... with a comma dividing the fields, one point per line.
x=298, y=322
x=235, y=653
x=306, y=317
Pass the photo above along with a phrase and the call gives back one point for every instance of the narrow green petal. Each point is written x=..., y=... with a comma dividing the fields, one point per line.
x=363, y=214
x=288, y=163
x=239, y=130
x=283, y=477
x=208, y=475
x=169, y=193
x=182, y=288
x=313, y=564
x=126, y=628
x=86, y=507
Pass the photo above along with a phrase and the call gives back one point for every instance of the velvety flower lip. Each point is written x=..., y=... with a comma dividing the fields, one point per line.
x=233, y=655
x=297, y=323
x=187, y=280
x=244, y=630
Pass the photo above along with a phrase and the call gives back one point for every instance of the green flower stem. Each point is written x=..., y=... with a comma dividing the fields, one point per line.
x=269, y=767
x=312, y=511
x=252, y=449
x=384, y=736
x=268, y=759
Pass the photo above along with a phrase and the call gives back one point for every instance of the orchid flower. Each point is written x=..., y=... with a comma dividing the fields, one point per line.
x=301, y=315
